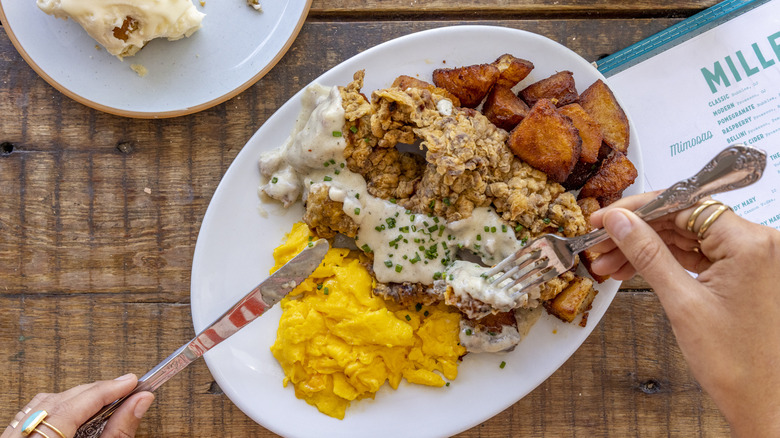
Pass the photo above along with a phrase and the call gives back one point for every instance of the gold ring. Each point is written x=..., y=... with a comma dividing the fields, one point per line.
x=30, y=425
x=698, y=211
x=709, y=221
x=14, y=423
x=26, y=410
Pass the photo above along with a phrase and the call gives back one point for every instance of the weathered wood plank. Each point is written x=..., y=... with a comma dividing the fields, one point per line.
x=507, y=7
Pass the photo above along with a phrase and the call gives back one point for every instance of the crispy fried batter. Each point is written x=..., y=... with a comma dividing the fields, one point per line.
x=513, y=70
x=559, y=88
x=547, y=140
x=600, y=103
x=403, y=82
x=615, y=175
x=504, y=108
x=470, y=84
x=566, y=216
x=326, y=216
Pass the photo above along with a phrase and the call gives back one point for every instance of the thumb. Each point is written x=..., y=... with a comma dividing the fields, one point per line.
x=648, y=254
x=127, y=417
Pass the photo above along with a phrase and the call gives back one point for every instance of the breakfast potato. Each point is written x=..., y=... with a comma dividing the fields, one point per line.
x=513, y=70
x=574, y=300
x=588, y=207
x=600, y=103
x=547, y=141
x=579, y=175
x=589, y=129
x=559, y=88
x=403, y=82
x=503, y=108
x=615, y=174
x=470, y=84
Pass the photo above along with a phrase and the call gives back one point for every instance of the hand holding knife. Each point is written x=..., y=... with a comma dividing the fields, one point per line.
x=252, y=305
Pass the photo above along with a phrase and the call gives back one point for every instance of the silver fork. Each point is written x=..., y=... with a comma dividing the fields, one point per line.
x=548, y=256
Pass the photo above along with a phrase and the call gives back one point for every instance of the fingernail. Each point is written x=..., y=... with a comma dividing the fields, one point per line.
x=618, y=224
x=127, y=376
x=142, y=406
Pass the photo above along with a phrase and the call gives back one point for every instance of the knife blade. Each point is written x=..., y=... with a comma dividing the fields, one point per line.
x=246, y=310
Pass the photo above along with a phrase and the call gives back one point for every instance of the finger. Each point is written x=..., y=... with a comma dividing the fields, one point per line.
x=608, y=263
x=629, y=203
x=648, y=254
x=691, y=260
x=126, y=419
x=81, y=404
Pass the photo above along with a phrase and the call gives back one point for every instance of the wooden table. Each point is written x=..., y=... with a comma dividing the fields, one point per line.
x=99, y=216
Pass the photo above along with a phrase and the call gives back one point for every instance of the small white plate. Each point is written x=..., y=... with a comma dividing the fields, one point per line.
x=236, y=46
x=234, y=249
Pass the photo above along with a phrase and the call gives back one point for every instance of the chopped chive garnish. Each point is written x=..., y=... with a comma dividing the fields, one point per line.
x=366, y=248
x=408, y=318
x=518, y=228
x=357, y=211
x=437, y=275
x=319, y=286
x=487, y=229
x=388, y=263
x=337, y=171
x=503, y=364
x=479, y=237
x=468, y=332
x=503, y=228
x=492, y=229
x=418, y=306
x=357, y=195
x=393, y=200
x=327, y=178
x=398, y=268
x=326, y=291
x=353, y=129
x=546, y=220
x=446, y=201
x=426, y=313
x=337, y=133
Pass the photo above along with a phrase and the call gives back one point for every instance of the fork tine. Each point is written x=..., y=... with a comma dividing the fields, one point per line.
x=517, y=259
x=520, y=273
x=523, y=284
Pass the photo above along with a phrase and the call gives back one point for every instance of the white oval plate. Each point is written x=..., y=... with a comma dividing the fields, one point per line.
x=233, y=252
x=235, y=47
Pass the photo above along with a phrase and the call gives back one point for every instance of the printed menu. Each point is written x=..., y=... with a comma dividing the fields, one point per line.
x=692, y=96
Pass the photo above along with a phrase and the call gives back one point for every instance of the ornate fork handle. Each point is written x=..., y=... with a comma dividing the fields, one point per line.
x=735, y=167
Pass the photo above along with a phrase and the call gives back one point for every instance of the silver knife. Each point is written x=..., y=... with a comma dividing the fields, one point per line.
x=254, y=304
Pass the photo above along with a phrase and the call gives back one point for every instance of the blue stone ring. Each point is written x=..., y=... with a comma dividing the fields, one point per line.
x=36, y=419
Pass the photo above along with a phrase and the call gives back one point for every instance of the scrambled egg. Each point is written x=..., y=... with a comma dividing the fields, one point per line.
x=337, y=342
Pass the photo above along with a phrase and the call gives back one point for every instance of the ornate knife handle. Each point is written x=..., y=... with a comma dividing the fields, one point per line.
x=149, y=382
x=735, y=167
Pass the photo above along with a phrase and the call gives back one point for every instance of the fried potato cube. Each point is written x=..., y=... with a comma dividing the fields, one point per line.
x=559, y=88
x=503, y=108
x=600, y=103
x=470, y=84
x=588, y=207
x=574, y=300
x=581, y=173
x=403, y=82
x=513, y=70
x=615, y=174
x=547, y=141
x=589, y=129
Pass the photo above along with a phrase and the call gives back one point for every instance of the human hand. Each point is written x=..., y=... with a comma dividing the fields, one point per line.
x=726, y=320
x=70, y=409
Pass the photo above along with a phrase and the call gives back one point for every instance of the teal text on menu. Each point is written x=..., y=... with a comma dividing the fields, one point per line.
x=745, y=65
